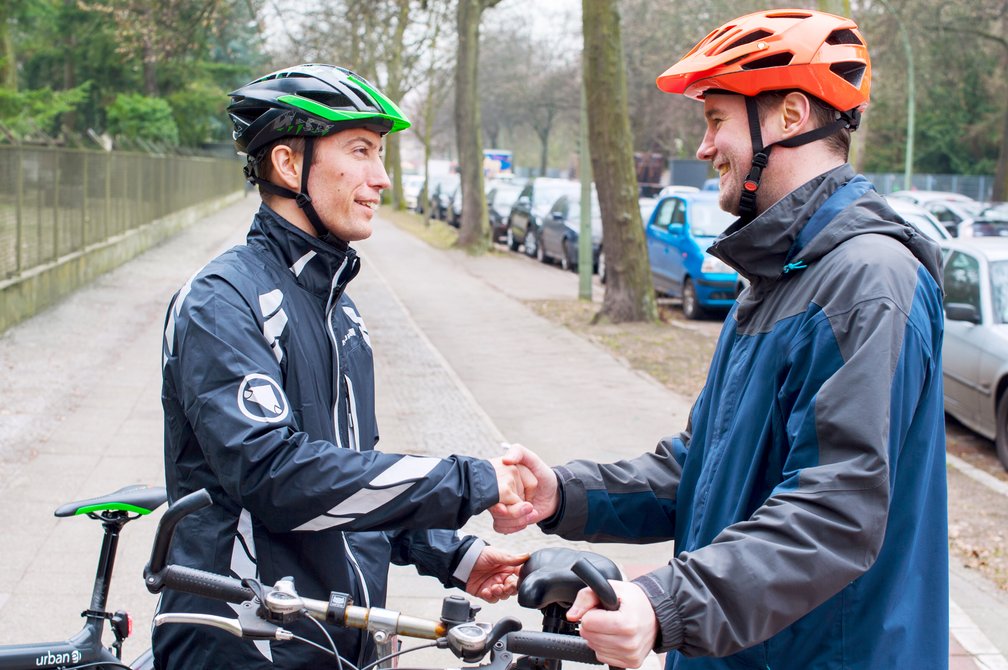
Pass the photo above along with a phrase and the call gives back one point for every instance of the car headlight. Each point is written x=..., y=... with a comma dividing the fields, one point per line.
x=713, y=265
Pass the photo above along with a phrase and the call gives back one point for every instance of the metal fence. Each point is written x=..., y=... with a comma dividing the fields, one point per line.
x=55, y=201
x=978, y=187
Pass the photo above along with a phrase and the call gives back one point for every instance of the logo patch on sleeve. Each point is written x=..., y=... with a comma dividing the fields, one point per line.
x=261, y=399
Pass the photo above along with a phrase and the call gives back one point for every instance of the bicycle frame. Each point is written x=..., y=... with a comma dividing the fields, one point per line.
x=86, y=649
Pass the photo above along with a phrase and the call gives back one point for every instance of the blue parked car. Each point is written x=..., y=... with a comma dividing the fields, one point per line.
x=679, y=232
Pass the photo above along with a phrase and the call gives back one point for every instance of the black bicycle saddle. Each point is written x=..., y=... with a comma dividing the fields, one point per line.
x=138, y=499
x=547, y=578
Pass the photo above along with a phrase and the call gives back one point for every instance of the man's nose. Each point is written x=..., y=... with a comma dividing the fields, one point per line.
x=705, y=151
x=380, y=178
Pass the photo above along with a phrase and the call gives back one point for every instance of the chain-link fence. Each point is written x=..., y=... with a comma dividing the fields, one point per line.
x=978, y=187
x=54, y=201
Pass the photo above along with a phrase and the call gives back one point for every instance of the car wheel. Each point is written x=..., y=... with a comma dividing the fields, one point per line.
x=565, y=258
x=1001, y=439
x=512, y=243
x=690, y=305
x=601, y=265
x=531, y=244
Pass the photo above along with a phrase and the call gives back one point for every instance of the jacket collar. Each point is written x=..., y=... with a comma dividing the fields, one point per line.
x=318, y=266
x=759, y=249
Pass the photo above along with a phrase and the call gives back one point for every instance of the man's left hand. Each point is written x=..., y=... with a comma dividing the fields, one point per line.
x=495, y=575
x=622, y=637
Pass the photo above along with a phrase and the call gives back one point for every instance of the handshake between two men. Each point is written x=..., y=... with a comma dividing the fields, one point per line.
x=529, y=493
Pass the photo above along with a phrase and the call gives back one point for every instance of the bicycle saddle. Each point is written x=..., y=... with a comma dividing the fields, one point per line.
x=547, y=578
x=139, y=499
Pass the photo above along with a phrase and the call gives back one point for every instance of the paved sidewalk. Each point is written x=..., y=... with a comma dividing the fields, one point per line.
x=462, y=366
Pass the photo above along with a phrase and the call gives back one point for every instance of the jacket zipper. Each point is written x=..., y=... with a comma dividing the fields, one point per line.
x=330, y=308
x=353, y=439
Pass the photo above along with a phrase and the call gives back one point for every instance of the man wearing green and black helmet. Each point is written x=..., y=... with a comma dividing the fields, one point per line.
x=268, y=394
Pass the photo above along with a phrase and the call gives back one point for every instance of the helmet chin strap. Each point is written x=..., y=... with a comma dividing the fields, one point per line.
x=761, y=154
x=302, y=198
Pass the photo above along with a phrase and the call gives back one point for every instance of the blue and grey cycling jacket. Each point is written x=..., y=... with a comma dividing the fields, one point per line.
x=268, y=395
x=807, y=495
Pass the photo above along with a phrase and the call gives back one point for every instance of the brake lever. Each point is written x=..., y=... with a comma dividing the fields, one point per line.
x=248, y=625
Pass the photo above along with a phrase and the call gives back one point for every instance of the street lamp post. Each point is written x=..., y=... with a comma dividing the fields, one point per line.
x=911, y=98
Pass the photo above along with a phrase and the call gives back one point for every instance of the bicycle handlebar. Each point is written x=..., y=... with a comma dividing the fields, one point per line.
x=196, y=500
x=551, y=645
x=263, y=606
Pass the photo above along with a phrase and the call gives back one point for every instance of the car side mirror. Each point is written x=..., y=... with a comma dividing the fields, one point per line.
x=961, y=311
x=675, y=229
x=557, y=216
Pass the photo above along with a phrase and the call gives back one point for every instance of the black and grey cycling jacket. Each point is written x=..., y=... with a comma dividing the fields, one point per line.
x=268, y=395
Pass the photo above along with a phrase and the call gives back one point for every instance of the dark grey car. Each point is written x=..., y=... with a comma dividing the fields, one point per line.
x=531, y=207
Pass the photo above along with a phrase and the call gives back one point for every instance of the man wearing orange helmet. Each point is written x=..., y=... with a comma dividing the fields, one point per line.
x=807, y=494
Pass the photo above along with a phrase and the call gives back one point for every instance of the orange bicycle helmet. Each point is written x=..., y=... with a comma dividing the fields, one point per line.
x=785, y=49
x=817, y=53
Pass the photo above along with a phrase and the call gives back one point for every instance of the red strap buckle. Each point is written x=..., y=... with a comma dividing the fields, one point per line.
x=750, y=186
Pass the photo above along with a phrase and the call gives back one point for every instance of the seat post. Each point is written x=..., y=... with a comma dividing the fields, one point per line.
x=106, y=561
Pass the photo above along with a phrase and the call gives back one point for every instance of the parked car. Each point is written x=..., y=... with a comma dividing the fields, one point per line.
x=991, y=222
x=975, y=349
x=647, y=206
x=453, y=213
x=954, y=210
x=439, y=194
x=501, y=198
x=532, y=205
x=678, y=234
x=561, y=231
x=412, y=185
x=920, y=218
x=676, y=188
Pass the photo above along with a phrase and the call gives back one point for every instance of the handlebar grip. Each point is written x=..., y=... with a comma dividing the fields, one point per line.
x=206, y=584
x=594, y=579
x=552, y=646
x=166, y=527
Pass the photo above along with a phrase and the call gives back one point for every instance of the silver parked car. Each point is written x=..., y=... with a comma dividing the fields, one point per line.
x=975, y=352
x=920, y=218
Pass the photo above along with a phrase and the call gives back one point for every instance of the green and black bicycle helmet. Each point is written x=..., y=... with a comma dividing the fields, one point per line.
x=309, y=101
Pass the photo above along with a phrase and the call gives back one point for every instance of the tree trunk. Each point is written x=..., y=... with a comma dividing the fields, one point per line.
x=1001, y=172
x=393, y=157
x=544, y=133
x=8, y=56
x=149, y=69
x=629, y=294
x=69, y=118
x=474, y=231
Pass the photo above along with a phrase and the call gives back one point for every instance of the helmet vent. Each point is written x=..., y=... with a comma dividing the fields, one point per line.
x=852, y=73
x=331, y=99
x=748, y=38
x=776, y=60
x=844, y=36
x=788, y=15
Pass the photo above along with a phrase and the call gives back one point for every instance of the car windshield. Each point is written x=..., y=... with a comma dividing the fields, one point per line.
x=970, y=207
x=506, y=195
x=707, y=219
x=926, y=225
x=999, y=290
x=547, y=194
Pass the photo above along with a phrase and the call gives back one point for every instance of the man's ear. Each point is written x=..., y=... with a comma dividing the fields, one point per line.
x=795, y=114
x=286, y=167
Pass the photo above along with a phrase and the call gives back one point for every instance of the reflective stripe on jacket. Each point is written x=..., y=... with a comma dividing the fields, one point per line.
x=268, y=395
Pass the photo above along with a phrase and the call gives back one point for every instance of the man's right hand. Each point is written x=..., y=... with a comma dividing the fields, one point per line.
x=540, y=490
